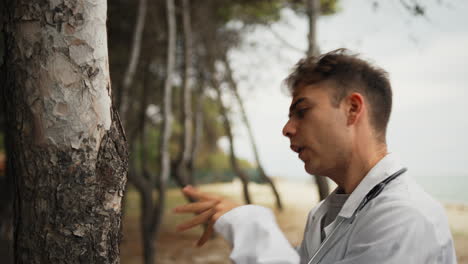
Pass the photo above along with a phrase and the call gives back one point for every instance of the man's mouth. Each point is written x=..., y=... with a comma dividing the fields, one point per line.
x=297, y=149
x=300, y=151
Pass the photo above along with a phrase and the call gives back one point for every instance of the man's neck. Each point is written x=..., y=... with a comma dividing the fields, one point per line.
x=360, y=164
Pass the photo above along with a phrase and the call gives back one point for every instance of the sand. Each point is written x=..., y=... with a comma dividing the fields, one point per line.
x=297, y=197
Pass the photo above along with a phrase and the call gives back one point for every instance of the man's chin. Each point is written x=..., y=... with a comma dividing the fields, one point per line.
x=314, y=170
x=310, y=169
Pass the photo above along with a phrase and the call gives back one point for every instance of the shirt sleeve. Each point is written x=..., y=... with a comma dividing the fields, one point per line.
x=396, y=233
x=255, y=236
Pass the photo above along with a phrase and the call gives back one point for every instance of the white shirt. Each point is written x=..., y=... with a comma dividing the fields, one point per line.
x=403, y=224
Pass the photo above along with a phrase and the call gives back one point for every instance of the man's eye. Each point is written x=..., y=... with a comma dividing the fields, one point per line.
x=301, y=112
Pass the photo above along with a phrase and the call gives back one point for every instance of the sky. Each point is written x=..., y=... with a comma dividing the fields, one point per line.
x=427, y=60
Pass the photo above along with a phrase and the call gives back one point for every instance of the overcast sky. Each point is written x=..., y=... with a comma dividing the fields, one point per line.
x=427, y=59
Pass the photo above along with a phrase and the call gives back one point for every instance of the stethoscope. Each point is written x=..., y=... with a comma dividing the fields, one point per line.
x=374, y=192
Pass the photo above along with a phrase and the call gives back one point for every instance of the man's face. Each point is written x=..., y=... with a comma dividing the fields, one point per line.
x=318, y=130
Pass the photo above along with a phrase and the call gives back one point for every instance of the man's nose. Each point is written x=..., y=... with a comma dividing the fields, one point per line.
x=289, y=130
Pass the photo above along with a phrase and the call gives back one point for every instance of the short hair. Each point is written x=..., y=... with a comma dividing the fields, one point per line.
x=349, y=74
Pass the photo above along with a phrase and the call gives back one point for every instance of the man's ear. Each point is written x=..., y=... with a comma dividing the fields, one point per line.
x=354, y=107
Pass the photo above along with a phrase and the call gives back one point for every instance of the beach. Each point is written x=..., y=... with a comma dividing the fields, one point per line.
x=297, y=197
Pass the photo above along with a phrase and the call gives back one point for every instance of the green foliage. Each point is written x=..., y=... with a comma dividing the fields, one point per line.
x=216, y=161
x=151, y=150
x=266, y=12
x=252, y=12
x=211, y=38
x=212, y=124
x=327, y=7
x=210, y=161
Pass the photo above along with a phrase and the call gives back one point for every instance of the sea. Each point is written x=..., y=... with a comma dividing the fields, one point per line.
x=449, y=189
x=452, y=189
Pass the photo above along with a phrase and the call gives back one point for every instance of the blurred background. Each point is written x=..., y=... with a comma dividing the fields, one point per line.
x=212, y=71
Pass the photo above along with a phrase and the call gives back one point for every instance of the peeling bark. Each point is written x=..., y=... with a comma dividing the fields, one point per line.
x=68, y=155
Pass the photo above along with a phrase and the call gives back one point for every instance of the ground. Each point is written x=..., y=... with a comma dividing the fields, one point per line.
x=298, y=198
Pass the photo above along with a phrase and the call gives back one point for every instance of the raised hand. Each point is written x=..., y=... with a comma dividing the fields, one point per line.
x=208, y=209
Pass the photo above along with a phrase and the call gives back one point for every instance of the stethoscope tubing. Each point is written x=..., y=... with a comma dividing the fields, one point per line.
x=374, y=192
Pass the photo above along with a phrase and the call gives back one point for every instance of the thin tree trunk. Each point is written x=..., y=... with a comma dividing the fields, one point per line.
x=227, y=126
x=322, y=186
x=165, y=160
x=122, y=100
x=68, y=155
x=182, y=170
x=144, y=101
x=144, y=188
x=197, y=135
x=313, y=11
x=139, y=130
x=148, y=236
x=233, y=85
x=146, y=197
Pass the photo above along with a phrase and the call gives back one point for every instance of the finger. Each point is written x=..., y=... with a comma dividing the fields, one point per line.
x=197, y=207
x=197, y=220
x=198, y=195
x=206, y=234
x=217, y=215
x=194, y=193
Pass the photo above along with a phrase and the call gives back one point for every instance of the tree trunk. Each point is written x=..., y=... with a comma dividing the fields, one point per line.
x=165, y=165
x=182, y=170
x=233, y=86
x=148, y=236
x=139, y=130
x=167, y=107
x=69, y=155
x=313, y=11
x=227, y=126
x=127, y=80
x=197, y=135
x=322, y=186
x=145, y=190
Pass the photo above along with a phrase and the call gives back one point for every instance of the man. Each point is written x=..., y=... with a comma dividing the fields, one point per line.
x=337, y=124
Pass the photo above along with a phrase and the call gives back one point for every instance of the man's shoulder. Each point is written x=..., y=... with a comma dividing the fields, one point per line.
x=406, y=194
x=407, y=202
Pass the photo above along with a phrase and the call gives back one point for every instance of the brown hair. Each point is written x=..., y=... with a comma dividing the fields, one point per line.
x=350, y=74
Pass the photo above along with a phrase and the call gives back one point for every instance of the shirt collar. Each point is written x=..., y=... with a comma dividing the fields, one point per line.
x=387, y=166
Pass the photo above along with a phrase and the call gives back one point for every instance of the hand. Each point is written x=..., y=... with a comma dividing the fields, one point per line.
x=208, y=209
